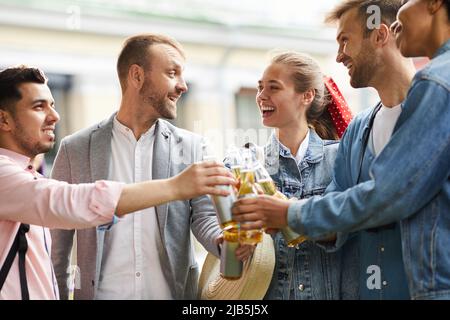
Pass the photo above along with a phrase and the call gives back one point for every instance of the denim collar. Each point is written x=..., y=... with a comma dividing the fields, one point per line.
x=445, y=47
x=274, y=149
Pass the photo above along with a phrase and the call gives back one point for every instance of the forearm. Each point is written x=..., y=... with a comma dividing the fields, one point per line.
x=409, y=172
x=146, y=194
x=56, y=204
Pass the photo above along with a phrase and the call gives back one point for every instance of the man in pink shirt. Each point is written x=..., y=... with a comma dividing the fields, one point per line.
x=29, y=203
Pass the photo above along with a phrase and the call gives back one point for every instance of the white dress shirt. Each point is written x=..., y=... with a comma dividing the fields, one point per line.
x=301, y=152
x=131, y=266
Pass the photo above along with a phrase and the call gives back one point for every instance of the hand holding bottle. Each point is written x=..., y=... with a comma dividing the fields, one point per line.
x=202, y=178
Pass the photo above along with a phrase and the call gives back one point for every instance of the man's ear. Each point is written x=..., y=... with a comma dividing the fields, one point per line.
x=5, y=120
x=433, y=6
x=381, y=35
x=136, y=76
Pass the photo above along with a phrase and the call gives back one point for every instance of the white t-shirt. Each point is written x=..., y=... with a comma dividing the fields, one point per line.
x=383, y=126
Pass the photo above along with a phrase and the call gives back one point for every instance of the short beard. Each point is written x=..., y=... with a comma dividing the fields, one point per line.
x=158, y=102
x=367, y=65
x=26, y=143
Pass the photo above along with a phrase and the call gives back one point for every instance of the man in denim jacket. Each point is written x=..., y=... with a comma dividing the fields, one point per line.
x=409, y=180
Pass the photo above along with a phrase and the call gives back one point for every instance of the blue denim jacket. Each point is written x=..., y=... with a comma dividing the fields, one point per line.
x=410, y=181
x=306, y=272
x=380, y=274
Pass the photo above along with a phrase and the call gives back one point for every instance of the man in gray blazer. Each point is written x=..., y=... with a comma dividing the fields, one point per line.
x=149, y=255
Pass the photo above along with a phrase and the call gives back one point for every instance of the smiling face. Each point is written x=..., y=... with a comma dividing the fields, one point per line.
x=356, y=53
x=31, y=126
x=413, y=28
x=280, y=105
x=164, y=83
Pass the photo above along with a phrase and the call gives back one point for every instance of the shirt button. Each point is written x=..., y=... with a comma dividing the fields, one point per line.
x=384, y=283
x=382, y=249
x=301, y=287
x=30, y=167
x=138, y=274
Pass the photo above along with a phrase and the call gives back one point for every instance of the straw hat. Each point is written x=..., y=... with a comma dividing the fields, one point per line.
x=252, y=285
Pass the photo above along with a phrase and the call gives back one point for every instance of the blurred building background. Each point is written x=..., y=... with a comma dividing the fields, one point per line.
x=227, y=44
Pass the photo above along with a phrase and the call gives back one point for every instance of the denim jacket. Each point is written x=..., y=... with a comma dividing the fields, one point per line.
x=306, y=272
x=380, y=273
x=409, y=181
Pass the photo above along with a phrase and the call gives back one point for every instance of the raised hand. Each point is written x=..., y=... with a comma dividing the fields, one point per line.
x=202, y=178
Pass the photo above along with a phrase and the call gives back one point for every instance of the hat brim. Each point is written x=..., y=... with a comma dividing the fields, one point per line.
x=253, y=283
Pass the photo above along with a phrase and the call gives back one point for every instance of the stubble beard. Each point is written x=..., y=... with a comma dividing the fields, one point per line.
x=366, y=63
x=28, y=144
x=157, y=101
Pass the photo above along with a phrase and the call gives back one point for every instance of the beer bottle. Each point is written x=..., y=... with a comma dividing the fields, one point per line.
x=246, y=190
x=222, y=204
x=266, y=183
x=235, y=159
x=230, y=266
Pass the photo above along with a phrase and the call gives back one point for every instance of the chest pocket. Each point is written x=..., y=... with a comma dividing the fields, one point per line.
x=313, y=192
x=290, y=188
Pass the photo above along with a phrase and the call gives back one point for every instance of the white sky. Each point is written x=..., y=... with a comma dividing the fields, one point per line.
x=305, y=13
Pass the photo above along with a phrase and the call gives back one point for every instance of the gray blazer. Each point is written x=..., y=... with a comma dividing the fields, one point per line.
x=85, y=157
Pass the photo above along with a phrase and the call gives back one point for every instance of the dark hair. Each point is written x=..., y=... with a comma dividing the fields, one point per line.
x=447, y=4
x=306, y=75
x=11, y=78
x=135, y=51
x=388, y=8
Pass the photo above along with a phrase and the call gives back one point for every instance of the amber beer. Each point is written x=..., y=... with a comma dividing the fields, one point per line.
x=230, y=266
x=268, y=187
x=266, y=183
x=247, y=190
x=236, y=171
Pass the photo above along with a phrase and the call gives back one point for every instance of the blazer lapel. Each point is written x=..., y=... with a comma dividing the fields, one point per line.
x=161, y=167
x=100, y=150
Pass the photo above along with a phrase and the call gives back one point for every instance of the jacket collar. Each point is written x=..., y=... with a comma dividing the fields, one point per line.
x=314, y=154
x=443, y=49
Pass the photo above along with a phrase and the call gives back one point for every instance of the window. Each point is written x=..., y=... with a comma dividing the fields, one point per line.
x=247, y=112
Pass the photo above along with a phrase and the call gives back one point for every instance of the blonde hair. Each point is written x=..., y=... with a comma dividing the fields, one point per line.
x=306, y=75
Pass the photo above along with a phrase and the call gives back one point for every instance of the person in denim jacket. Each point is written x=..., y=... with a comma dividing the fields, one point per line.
x=410, y=179
x=371, y=261
x=291, y=98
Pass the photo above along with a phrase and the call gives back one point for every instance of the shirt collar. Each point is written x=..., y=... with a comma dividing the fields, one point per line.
x=22, y=160
x=119, y=127
x=445, y=47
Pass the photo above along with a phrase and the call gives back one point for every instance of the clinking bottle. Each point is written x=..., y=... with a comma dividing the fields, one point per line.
x=223, y=204
x=246, y=190
x=230, y=266
x=266, y=183
x=235, y=159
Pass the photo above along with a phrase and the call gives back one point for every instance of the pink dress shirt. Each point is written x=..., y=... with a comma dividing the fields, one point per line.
x=25, y=197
